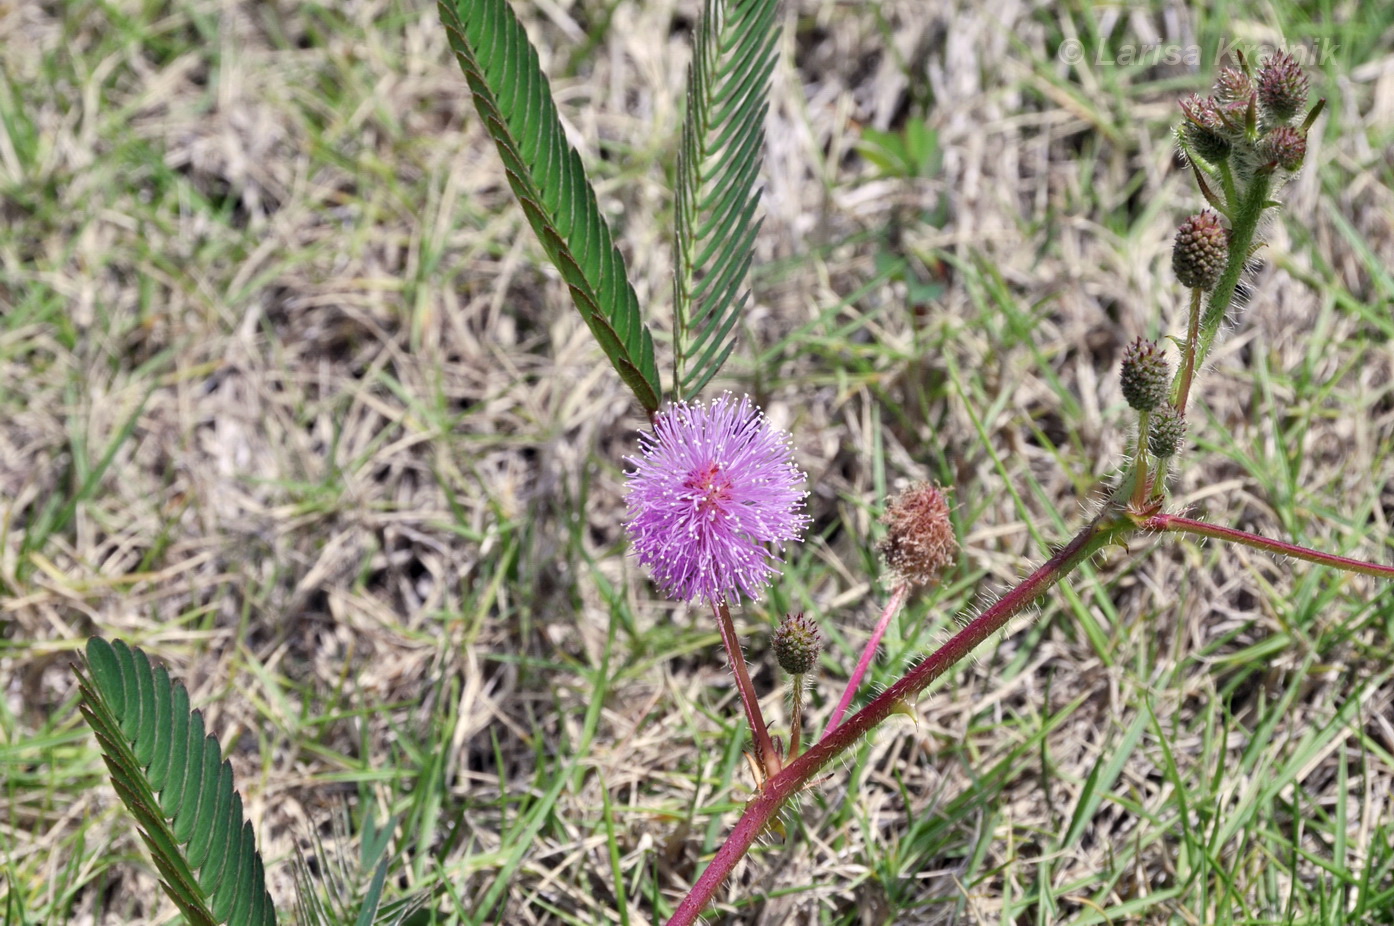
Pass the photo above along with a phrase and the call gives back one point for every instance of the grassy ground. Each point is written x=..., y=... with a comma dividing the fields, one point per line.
x=288, y=398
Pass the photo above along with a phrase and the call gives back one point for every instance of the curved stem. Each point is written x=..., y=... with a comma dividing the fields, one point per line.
x=868, y=654
x=779, y=788
x=764, y=748
x=1177, y=524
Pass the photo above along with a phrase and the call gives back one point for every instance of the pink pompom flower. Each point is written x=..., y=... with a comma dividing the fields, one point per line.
x=713, y=487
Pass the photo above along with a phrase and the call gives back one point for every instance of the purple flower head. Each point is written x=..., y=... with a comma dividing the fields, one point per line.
x=713, y=486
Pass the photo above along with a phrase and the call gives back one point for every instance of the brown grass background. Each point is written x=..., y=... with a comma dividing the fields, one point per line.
x=373, y=472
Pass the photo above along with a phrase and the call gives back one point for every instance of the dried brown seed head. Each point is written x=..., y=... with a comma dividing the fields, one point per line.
x=919, y=542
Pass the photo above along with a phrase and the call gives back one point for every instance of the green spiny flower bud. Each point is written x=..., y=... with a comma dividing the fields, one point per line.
x=1282, y=88
x=919, y=542
x=1165, y=430
x=1202, y=246
x=1203, y=130
x=797, y=643
x=1283, y=147
x=1144, y=375
x=1233, y=86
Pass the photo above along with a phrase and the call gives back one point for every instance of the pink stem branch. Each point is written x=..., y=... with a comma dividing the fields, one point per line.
x=1177, y=524
x=764, y=747
x=868, y=654
x=779, y=788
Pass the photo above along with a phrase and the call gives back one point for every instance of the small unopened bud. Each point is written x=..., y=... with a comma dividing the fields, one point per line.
x=796, y=644
x=1284, y=147
x=1144, y=375
x=1165, y=430
x=1233, y=86
x=1203, y=130
x=1199, y=253
x=1237, y=114
x=1282, y=88
x=919, y=542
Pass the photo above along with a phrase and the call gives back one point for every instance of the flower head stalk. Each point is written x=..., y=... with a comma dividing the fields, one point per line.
x=796, y=643
x=713, y=489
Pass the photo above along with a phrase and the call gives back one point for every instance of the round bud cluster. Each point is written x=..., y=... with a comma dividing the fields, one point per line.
x=1165, y=431
x=1282, y=88
x=919, y=542
x=1145, y=375
x=1245, y=122
x=1284, y=147
x=1199, y=253
x=797, y=643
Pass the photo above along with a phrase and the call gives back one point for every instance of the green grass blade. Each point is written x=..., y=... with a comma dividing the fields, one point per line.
x=369, y=911
x=152, y=742
x=515, y=102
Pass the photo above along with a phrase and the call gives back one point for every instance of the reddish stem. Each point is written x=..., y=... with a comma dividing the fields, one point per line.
x=782, y=786
x=1177, y=524
x=764, y=748
x=868, y=654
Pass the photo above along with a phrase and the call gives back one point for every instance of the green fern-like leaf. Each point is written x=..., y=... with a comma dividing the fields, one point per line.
x=154, y=744
x=515, y=102
x=718, y=162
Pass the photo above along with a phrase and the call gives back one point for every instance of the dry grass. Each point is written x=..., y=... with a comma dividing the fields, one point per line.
x=288, y=398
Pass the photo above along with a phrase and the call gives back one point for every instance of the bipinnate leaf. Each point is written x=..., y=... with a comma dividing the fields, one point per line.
x=515, y=102
x=153, y=745
x=718, y=163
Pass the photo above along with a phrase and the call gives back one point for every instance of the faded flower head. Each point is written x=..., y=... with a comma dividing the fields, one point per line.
x=919, y=542
x=796, y=643
x=714, y=485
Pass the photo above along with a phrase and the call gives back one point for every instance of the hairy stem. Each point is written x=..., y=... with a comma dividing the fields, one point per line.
x=796, y=719
x=1188, y=361
x=1104, y=529
x=1140, y=484
x=764, y=747
x=1227, y=182
x=1245, y=218
x=1177, y=524
x=868, y=654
